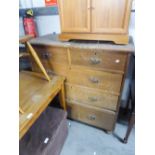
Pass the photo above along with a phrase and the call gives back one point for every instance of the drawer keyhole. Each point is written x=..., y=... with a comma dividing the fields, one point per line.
x=46, y=55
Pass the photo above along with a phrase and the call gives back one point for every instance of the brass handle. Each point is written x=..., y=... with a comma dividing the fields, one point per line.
x=94, y=80
x=92, y=117
x=95, y=60
x=50, y=72
x=93, y=99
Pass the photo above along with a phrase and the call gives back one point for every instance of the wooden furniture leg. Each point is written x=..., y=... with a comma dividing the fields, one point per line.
x=130, y=126
x=62, y=97
x=132, y=118
x=35, y=56
x=128, y=103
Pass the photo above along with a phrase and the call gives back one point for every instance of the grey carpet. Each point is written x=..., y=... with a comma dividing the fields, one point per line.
x=86, y=140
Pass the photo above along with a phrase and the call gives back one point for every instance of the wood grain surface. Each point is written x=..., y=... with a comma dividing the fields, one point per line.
x=35, y=93
x=109, y=82
x=98, y=59
x=94, y=116
x=95, y=20
x=90, y=96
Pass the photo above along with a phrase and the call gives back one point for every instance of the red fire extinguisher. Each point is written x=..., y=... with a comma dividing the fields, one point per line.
x=29, y=24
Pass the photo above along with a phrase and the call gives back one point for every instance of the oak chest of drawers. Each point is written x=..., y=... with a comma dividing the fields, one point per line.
x=94, y=77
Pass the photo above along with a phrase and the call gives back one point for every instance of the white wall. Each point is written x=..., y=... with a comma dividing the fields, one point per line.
x=47, y=24
x=31, y=3
x=25, y=3
x=132, y=26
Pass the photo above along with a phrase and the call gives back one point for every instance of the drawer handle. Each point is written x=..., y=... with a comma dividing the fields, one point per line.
x=50, y=72
x=117, y=61
x=92, y=117
x=93, y=99
x=94, y=80
x=95, y=61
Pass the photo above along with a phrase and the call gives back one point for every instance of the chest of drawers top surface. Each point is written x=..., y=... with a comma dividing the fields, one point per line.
x=52, y=40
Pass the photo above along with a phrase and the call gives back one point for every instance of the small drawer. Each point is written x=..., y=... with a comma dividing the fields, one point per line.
x=94, y=116
x=99, y=59
x=58, y=69
x=91, y=97
x=36, y=68
x=52, y=68
x=96, y=79
x=53, y=54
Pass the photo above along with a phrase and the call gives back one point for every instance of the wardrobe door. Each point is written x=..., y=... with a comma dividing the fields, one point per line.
x=74, y=15
x=110, y=16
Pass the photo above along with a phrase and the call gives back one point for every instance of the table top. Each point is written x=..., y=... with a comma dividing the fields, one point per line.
x=35, y=95
x=52, y=40
x=23, y=39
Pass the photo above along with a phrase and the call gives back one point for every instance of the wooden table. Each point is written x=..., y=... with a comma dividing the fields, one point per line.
x=35, y=95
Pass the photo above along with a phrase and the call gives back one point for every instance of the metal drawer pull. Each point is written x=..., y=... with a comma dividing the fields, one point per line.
x=92, y=117
x=50, y=72
x=94, y=80
x=93, y=99
x=95, y=61
x=117, y=61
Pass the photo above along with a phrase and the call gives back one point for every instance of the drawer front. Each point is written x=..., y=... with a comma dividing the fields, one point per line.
x=35, y=67
x=93, y=116
x=98, y=59
x=52, y=68
x=58, y=69
x=96, y=79
x=93, y=97
x=53, y=54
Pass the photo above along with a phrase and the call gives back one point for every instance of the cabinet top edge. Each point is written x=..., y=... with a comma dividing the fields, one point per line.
x=52, y=40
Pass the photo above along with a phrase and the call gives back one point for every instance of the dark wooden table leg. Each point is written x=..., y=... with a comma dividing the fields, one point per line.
x=132, y=99
x=130, y=126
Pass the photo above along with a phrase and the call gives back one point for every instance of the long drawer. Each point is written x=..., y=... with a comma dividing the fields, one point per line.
x=94, y=116
x=99, y=59
x=53, y=54
x=96, y=79
x=93, y=97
